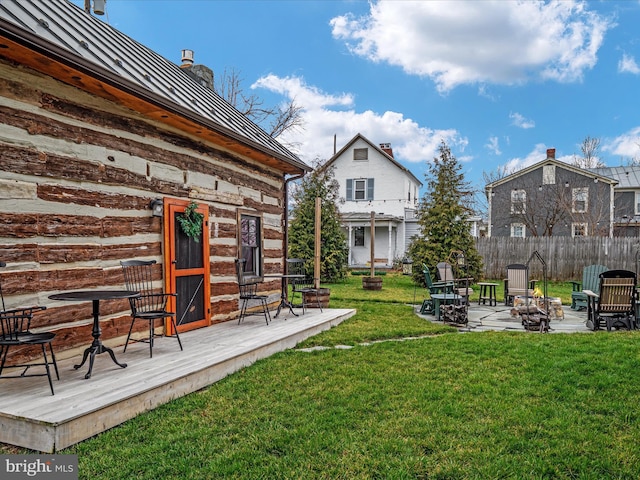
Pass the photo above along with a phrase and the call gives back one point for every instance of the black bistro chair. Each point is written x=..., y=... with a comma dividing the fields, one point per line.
x=150, y=305
x=249, y=291
x=303, y=284
x=15, y=332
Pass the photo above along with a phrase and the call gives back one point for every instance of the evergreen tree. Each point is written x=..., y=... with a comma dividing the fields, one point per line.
x=443, y=216
x=333, y=250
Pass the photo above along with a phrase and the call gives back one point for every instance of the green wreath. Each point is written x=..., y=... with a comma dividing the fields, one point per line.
x=191, y=221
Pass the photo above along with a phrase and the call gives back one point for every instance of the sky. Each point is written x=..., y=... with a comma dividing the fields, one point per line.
x=499, y=82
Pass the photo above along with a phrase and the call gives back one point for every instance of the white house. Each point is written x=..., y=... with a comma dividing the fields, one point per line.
x=371, y=180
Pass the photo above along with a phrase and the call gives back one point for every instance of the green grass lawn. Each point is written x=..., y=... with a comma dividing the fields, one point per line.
x=492, y=405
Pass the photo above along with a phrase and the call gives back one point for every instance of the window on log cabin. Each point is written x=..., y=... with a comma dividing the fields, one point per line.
x=250, y=245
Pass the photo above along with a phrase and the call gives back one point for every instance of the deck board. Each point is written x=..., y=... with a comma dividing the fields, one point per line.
x=31, y=417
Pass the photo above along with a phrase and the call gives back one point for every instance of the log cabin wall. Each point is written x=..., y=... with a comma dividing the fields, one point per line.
x=77, y=174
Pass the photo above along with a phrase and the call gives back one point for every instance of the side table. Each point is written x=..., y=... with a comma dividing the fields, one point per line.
x=487, y=292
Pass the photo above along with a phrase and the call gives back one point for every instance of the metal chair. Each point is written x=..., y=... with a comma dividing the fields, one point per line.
x=249, y=291
x=150, y=305
x=304, y=284
x=15, y=331
x=615, y=304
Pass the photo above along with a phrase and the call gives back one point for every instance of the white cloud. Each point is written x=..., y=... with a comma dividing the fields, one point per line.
x=628, y=64
x=626, y=146
x=326, y=115
x=494, y=145
x=538, y=154
x=519, y=121
x=471, y=42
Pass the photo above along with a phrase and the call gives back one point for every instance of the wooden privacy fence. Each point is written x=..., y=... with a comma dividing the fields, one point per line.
x=565, y=257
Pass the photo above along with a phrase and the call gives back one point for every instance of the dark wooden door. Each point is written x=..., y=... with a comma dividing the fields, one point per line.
x=187, y=267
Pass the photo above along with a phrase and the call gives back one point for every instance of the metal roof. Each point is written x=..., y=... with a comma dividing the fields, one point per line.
x=627, y=177
x=71, y=28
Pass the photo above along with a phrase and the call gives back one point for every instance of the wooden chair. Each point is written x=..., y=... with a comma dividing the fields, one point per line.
x=590, y=281
x=249, y=291
x=15, y=332
x=151, y=305
x=303, y=285
x=615, y=304
x=515, y=285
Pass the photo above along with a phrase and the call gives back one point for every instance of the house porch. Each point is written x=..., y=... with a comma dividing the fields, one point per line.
x=31, y=417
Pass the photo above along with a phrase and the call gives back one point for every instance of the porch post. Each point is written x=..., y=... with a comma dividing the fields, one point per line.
x=350, y=260
x=373, y=243
x=390, y=252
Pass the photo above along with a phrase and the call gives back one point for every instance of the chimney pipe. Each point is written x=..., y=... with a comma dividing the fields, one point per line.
x=551, y=153
x=98, y=6
x=187, y=58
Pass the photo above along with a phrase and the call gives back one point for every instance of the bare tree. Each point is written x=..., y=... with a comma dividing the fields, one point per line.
x=498, y=174
x=590, y=149
x=594, y=215
x=540, y=208
x=275, y=120
x=479, y=202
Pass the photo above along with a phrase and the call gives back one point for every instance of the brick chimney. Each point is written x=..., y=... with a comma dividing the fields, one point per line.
x=551, y=153
x=386, y=148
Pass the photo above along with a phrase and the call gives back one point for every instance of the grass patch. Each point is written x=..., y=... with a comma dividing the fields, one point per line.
x=489, y=405
x=486, y=405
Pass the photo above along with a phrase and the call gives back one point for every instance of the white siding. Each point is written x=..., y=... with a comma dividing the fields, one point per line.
x=391, y=184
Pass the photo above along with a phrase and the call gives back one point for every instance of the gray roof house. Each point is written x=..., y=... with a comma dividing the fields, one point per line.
x=552, y=198
x=626, y=217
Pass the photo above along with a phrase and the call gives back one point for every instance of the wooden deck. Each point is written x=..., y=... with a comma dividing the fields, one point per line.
x=31, y=417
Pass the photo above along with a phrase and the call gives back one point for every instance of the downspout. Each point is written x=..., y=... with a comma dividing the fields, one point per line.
x=286, y=217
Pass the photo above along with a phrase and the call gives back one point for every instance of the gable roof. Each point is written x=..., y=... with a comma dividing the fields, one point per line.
x=550, y=161
x=359, y=136
x=60, y=39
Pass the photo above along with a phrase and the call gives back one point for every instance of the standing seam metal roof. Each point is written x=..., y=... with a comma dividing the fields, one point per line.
x=627, y=177
x=70, y=27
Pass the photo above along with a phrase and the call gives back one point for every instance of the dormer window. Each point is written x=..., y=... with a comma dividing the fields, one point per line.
x=360, y=154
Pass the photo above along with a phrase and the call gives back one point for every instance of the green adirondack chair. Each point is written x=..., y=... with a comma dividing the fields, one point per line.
x=590, y=281
x=427, y=307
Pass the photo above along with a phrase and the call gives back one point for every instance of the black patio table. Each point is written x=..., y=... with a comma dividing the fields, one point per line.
x=284, y=300
x=95, y=296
